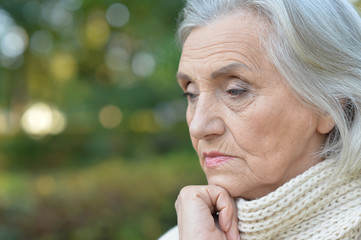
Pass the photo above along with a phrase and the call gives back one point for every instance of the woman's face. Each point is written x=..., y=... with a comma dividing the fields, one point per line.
x=250, y=132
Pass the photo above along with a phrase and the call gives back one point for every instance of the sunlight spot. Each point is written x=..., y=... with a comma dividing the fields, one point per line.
x=117, y=15
x=55, y=14
x=41, y=119
x=14, y=42
x=96, y=31
x=63, y=66
x=60, y=17
x=41, y=42
x=110, y=116
x=143, y=64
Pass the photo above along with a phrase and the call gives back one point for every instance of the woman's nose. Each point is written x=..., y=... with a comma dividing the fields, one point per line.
x=205, y=122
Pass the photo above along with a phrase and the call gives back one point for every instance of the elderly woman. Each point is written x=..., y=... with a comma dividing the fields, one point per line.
x=274, y=114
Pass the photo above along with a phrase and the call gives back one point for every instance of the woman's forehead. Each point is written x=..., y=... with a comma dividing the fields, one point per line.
x=222, y=43
x=229, y=30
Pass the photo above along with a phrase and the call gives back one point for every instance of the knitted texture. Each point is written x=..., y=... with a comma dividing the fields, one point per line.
x=311, y=206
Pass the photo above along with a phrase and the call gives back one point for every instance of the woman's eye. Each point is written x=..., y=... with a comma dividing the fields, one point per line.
x=236, y=92
x=189, y=95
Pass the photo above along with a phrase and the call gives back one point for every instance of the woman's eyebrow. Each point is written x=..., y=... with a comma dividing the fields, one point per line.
x=183, y=76
x=228, y=69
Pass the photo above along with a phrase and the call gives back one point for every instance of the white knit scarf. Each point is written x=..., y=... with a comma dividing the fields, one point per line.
x=310, y=206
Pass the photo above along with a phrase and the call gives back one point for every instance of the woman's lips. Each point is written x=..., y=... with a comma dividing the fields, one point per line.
x=214, y=159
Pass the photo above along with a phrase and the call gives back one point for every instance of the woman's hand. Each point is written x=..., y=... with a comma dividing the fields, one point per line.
x=196, y=206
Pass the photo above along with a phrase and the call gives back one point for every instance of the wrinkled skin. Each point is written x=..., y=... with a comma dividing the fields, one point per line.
x=240, y=107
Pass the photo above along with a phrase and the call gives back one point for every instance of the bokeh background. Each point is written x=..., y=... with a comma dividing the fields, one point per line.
x=93, y=139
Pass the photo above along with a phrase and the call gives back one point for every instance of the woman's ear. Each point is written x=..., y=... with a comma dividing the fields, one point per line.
x=325, y=124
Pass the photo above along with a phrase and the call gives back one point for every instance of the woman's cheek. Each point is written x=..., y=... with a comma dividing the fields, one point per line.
x=239, y=104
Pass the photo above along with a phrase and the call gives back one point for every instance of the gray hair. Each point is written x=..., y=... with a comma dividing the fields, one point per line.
x=316, y=46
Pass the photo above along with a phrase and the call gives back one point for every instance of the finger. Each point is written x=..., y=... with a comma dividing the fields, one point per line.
x=222, y=203
x=233, y=232
x=227, y=209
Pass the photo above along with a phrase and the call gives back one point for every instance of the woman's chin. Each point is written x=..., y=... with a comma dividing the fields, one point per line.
x=235, y=190
x=239, y=188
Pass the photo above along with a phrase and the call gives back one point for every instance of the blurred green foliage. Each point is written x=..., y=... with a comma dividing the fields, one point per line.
x=87, y=66
x=114, y=199
x=93, y=139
